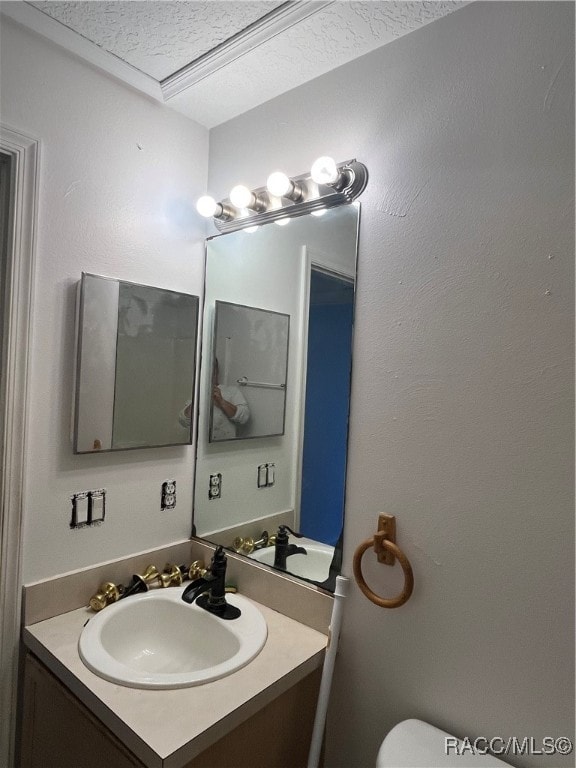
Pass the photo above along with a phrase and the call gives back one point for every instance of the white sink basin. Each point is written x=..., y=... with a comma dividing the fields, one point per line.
x=315, y=565
x=156, y=640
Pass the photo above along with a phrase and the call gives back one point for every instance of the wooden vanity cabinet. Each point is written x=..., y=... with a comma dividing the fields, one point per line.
x=58, y=731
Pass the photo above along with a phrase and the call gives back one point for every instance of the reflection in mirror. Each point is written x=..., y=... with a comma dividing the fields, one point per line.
x=248, y=372
x=246, y=489
x=136, y=366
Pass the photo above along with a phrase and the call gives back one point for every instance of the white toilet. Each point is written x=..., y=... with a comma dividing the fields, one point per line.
x=415, y=744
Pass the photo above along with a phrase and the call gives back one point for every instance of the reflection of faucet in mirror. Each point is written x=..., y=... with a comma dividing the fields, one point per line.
x=283, y=549
x=229, y=407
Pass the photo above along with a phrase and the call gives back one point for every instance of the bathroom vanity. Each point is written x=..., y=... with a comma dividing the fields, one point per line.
x=260, y=715
x=58, y=729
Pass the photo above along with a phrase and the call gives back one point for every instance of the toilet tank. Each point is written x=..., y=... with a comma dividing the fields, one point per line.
x=415, y=744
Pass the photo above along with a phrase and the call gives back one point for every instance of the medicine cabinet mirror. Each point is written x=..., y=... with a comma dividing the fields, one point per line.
x=136, y=361
x=249, y=366
x=302, y=275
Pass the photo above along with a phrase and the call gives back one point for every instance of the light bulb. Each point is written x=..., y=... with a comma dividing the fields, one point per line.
x=282, y=222
x=279, y=184
x=324, y=171
x=207, y=206
x=242, y=197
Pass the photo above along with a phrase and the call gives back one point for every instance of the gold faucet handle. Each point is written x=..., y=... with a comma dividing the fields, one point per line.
x=107, y=594
x=243, y=546
x=171, y=576
x=271, y=540
x=197, y=570
x=150, y=575
x=249, y=545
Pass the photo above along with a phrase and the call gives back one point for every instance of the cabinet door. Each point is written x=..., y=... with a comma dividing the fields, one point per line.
x=278, y=736
x=59, y=732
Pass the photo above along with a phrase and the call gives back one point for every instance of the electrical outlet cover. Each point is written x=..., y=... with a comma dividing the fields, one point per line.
x=215, y=486
x=168, y=498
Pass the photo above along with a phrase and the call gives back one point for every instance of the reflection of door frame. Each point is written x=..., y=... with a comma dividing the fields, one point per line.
x=24, y=154
x=312, y=260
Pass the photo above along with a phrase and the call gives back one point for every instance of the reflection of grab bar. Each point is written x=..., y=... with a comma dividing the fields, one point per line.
x=244, y=382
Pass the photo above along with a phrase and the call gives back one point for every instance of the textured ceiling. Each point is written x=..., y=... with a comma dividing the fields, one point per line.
x=337, y=34
x=160, y=37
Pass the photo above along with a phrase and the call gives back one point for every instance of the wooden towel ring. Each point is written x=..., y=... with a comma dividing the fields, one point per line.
x=378, y=542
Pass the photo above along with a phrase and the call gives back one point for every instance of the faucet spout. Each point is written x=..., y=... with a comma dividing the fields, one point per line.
x=196, y=588
x=294, y=550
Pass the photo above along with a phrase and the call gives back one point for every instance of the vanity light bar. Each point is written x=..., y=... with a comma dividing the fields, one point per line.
x=327, y=184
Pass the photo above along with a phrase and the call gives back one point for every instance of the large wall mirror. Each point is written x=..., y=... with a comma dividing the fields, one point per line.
x=304, y=272
x=136, y=365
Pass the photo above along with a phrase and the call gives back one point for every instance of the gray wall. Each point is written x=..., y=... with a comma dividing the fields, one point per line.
x=462, y=406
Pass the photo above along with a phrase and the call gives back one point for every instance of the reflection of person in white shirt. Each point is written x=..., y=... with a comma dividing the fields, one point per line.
x=229, y=408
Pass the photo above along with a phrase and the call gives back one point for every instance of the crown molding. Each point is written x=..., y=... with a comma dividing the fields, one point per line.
x=30, y=17
x=275, y=22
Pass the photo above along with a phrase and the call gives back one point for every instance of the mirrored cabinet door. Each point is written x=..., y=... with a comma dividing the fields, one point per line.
x=249, y=370
x=136, y=364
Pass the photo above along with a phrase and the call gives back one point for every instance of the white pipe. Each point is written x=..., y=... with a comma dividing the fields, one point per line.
x=340, y=593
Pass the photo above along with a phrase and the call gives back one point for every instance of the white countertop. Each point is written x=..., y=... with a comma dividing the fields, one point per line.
x=167, y=728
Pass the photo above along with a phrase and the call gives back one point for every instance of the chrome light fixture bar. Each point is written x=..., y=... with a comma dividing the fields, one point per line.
x=327, y=185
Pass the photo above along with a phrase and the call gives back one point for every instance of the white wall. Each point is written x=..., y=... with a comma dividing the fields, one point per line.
x=119, y=175
x=462, y=407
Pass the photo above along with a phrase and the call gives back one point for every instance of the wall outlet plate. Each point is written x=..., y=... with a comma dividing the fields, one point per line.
x=168, y=496
x=215, y=486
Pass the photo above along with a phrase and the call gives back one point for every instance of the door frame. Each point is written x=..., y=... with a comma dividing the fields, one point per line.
x=312, y=259
x=24, y=152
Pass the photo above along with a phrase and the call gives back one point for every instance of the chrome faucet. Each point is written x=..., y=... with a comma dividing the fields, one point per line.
x=283, y=549
x=209, y=592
